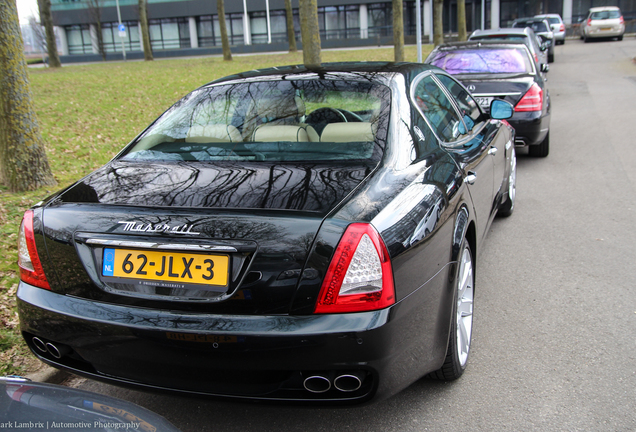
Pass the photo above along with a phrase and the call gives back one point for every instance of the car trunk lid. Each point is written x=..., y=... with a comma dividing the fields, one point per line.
x=141, y=234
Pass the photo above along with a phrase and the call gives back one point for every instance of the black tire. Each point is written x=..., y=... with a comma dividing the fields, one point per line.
x=586, y=39
x=541, y=150
x=456, y=358
x=620, y=38
x=508, y=206
x=550, y=58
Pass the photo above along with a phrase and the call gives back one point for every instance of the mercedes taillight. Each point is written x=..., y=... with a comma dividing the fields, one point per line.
x=532, y=100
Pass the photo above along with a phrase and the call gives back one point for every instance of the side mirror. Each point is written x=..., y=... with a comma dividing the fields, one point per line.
x=501, y=110
x=545, y=67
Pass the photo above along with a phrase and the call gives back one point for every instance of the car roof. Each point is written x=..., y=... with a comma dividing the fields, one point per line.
x=604, y=8
x=548, y=16
x=481, y=43
x=366, y=69
x=503, y=31
x=531, y=19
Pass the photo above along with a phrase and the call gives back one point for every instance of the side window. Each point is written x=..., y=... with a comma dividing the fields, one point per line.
x=432, y=103
x=467, y=105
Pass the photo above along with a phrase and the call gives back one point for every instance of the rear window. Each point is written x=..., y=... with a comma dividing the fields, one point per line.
x=537, y=26
x=483, y=60
x=553, y=20
x=602, y=15
x=283, y=120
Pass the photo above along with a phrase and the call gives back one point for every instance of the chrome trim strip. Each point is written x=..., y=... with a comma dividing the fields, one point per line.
x=495, y=94
x=161, y=246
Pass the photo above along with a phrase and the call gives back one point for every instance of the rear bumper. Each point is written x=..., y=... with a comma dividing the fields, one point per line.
x=602, y=32
x=252, y=357
x=530, y=127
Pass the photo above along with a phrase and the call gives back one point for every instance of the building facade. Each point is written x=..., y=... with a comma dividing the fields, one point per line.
x=190, y=27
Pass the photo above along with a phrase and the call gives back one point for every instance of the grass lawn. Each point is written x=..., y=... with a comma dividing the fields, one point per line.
x=87, y=114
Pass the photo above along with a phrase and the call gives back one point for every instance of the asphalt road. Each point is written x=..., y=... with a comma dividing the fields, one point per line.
x=554, y=344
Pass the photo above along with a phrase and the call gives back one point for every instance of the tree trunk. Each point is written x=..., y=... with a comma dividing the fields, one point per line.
x=95, y=13
x=23, y=162
x=438, y=25
x=47, y=22
x=220, y=10
x=398, y=31
x=291, y=34
x=461, y=20
x=145, y=33
x=310, y=33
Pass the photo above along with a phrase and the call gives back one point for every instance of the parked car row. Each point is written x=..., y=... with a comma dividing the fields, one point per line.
x=505, y=65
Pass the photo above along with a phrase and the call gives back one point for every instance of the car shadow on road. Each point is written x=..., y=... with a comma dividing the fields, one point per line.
x=400, y=412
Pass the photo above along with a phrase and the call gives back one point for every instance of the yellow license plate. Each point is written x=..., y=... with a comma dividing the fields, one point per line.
x=172, y=267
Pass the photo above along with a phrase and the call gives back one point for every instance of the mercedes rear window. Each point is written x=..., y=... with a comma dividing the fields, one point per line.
x=491, y=60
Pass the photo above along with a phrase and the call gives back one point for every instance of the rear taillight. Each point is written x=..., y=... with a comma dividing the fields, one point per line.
x=562, y=28
x=621, y=20
x=536, y=58
x=359, y=277
x=589, y=21
x=532, y=100
x=31, y=270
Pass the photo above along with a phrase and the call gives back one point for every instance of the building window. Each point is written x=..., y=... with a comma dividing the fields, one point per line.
x=278, y=24
x=169, y=33
x=112, y=41
x=380, y=19
x=209, y=30
x=339, y=22
x=79, y=39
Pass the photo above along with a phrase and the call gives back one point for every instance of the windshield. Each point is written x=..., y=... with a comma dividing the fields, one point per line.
x=493, y=60
x=282, y=120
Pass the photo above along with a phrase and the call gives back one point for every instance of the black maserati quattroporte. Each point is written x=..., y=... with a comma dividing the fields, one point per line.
x=284, y=234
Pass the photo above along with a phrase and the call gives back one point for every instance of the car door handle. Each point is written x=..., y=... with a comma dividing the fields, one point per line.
x=470, y=177
x=492, y=151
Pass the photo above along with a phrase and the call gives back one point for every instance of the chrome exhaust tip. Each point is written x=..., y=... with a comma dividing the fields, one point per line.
x=317, y=384
x=55, y=351
x=349, y=382
x=39, y=344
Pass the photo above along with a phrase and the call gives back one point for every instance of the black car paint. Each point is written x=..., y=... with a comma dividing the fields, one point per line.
x=258, y=340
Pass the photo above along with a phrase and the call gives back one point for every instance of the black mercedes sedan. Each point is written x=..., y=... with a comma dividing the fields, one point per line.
x=503, y=70
x=285, y=234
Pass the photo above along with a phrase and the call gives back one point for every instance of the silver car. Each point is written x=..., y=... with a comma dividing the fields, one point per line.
x=603, y=22
x=542, y=28
x=557, y=25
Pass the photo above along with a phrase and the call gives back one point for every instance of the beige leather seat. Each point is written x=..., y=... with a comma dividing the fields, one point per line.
x=213, y=133
x=347, y=132
x=273, y=133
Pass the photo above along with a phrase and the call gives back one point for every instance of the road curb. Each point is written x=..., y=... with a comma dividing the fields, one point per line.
x=49, y=375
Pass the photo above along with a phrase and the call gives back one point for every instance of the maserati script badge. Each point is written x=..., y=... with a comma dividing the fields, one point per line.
x=159, y=228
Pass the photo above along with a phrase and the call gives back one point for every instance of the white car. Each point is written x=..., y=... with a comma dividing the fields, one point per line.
x=557, y=26
x=603, y=22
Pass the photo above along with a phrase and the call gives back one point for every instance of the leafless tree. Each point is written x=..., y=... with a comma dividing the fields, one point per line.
x=227, y=52
x=47, y=22
x=145, y=33
x=95, y=15
x=398, y=31
x=291, y=34
x=310, y=32
x=23, y=161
